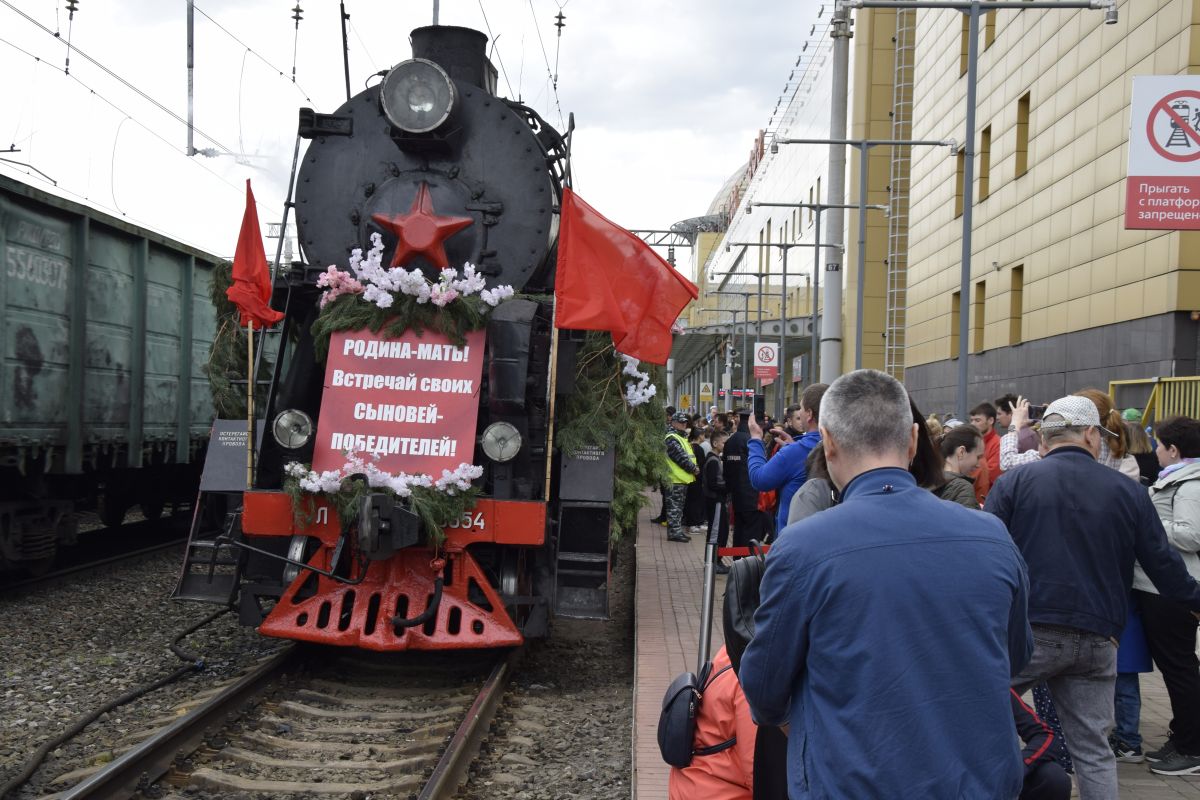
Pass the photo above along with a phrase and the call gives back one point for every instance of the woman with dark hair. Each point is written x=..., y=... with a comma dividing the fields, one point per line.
x=962, y=450
x=693, y=504
x=926, y=465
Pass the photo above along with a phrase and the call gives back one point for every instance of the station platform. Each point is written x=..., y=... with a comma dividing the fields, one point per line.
x=667, y=620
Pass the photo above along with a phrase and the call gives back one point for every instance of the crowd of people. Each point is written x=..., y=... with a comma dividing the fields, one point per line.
x=925, y=574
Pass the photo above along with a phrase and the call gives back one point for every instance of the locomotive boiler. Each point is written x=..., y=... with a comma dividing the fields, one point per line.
x=441, y=171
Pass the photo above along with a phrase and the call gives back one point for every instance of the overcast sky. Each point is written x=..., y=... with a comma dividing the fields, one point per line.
x=667, y=96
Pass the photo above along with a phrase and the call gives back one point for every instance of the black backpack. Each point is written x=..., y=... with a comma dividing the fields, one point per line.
x=741, y=601
x=677, y=722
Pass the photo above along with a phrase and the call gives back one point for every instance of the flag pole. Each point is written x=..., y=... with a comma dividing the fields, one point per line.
x=250, y=404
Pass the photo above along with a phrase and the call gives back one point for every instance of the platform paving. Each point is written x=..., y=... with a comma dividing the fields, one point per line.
x=669, y=577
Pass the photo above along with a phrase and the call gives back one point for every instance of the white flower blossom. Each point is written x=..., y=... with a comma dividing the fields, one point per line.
x=452, y=482
x=640, y=390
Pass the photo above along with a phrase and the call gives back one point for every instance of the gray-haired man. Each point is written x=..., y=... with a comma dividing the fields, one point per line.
x=890, y=624
x=1080, y=525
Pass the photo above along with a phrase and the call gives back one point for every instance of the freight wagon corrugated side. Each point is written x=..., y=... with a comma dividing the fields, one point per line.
x=106, y=328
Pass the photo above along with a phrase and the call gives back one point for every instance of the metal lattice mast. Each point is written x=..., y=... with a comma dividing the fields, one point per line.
x=897, y=258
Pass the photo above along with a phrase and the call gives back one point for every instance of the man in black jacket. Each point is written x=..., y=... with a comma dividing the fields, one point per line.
x=748, y=522
x=1079, y=526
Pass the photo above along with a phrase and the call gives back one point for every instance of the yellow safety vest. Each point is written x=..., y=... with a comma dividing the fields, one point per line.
x=679, y=474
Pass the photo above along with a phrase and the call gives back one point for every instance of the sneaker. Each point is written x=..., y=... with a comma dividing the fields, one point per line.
x=1177, y=764
x=721, y=569
x=1126, y=753
x=1163, y=753
x=683, y=538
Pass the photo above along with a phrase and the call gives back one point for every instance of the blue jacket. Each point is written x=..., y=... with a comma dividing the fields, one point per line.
x=1080, y=525
x=889, y=628
x=785, y=471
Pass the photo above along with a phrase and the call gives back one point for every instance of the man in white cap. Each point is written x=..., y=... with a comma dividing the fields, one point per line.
x=1080, y=526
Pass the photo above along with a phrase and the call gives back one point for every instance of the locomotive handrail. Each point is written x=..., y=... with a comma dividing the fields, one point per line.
x=226, y=540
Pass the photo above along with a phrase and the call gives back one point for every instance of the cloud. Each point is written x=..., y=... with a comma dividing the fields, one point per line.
x=667, y=96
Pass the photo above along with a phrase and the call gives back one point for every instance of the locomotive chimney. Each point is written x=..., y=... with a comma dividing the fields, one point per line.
x=462, y=52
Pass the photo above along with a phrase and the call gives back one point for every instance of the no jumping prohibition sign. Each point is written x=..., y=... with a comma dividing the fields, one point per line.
x=1165, y=118
x=1162, y=185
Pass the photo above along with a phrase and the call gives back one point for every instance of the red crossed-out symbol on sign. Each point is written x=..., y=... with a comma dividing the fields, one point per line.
x=766, y=354
x=1164, y=107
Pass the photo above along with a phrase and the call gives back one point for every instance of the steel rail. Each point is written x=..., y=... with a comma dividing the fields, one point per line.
x=77, y=570
x=451, y=769
x=148, y=761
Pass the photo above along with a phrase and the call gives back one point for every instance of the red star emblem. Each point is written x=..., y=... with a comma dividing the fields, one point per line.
x=421, y=232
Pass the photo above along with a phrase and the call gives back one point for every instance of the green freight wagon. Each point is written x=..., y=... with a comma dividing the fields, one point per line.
x=106, y=328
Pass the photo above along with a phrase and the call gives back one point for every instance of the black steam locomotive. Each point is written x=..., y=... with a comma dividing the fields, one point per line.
x=446, y=172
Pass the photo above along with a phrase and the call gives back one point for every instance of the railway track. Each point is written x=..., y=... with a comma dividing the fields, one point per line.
x=102, y=549
x=308, y=724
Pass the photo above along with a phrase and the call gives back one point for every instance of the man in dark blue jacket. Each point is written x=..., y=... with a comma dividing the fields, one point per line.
x=785, y=470
x=1080, y=525
x=890, y=625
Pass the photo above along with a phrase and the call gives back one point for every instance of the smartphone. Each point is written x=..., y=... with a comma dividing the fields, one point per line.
x=1036, y=412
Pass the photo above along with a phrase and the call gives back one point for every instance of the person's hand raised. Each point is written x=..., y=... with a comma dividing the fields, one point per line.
x=782, y=436
x=1020, y=413
x=756, y=432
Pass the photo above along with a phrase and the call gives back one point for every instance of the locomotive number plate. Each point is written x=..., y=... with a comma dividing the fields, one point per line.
x=469, y=522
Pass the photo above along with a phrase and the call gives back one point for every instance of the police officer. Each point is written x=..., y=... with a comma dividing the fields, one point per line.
x=681, y=470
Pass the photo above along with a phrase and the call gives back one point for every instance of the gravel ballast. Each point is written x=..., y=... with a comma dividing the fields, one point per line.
x=68, y=649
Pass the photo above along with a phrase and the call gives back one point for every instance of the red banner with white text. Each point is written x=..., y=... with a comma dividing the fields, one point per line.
x=410, y=403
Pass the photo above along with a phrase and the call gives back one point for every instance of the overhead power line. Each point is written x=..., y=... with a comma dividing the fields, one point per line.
x=549, y=73
x=114, y=75
x=123, y=112
x=253, y=52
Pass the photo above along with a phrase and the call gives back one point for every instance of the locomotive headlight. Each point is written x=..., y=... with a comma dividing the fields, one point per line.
x=501, y=441
x=417, y=96
x=292, y=429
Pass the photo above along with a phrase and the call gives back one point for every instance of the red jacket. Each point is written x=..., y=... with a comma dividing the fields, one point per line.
x=724, y=714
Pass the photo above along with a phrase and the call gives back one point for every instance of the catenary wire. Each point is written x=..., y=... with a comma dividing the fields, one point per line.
x=546, y=59
x=112, y=74
x=253, y=52
x=144, y=126
x=495, y=47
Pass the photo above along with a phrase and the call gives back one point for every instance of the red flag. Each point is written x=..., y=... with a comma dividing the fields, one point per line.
x=251, y=290
x=610, y=280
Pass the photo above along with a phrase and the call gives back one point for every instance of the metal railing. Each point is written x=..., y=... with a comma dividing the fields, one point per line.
x=1158, y=398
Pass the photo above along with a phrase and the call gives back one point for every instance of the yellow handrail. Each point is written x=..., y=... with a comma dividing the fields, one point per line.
x=1158, y=398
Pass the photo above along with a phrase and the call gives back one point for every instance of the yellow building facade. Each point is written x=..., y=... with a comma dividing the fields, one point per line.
x=1062, y=296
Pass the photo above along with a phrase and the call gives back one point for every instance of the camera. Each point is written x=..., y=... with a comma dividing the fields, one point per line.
x=1036, y=412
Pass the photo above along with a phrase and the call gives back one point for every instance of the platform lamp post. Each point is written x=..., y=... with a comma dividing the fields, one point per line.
x=784, y=246
x=819, y=207
x=863, y=146
x=745, y=327
x=972, y=8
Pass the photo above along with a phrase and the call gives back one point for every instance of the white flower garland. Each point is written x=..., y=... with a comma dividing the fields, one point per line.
x=330, y=481
x=379, y=285
x=640, y=389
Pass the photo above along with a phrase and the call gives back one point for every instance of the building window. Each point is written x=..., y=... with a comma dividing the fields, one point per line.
x=960, y=170
x=965, y=42
x=955, y=303
x=985, y=161
x=977, y=317
x=1023, y=135
x=989, y=29
x=1015, y=305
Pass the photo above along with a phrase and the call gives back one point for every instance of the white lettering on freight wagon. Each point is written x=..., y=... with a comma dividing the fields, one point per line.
x=29, y=265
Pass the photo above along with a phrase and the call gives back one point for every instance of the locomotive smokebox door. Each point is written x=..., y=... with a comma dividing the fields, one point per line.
x=584, y=522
